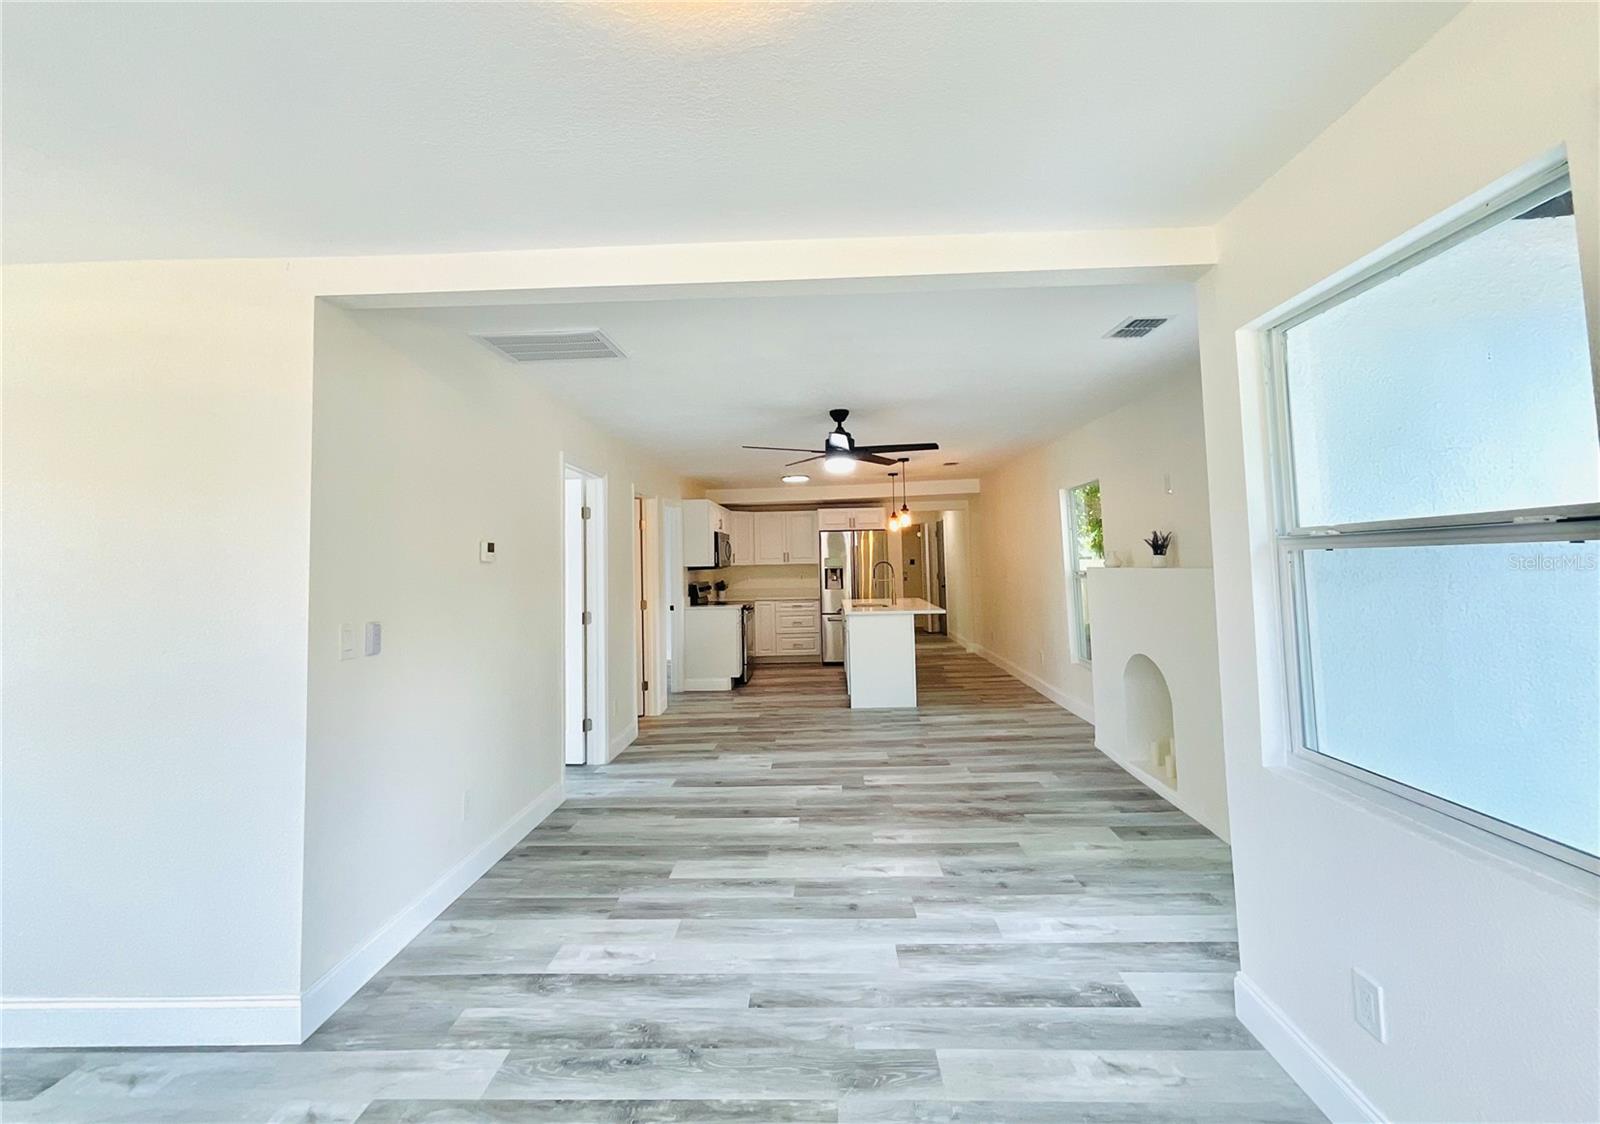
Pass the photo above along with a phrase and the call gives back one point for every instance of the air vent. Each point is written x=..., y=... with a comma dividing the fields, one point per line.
x=546, y=347
x=1135, y=327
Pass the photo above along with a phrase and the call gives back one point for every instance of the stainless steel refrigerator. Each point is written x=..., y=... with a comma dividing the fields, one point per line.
x=847, y=561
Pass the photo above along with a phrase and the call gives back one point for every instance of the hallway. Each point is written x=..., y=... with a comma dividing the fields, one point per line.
x=773, y=908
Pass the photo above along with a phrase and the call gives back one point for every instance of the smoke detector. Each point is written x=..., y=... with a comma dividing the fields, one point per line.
x=1135, y=327
x=547, y=347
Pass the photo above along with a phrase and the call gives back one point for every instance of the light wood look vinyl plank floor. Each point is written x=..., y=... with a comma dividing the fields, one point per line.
x=773, y=908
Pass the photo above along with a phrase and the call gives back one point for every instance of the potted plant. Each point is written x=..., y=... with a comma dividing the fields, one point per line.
x=1158, y=542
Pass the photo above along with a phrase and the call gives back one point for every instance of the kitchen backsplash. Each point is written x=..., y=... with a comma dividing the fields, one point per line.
x=754, y=583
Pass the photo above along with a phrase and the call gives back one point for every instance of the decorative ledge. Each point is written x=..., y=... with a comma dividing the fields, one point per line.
x=1156, y=684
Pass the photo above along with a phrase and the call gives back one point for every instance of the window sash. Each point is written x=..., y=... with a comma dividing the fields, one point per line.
x=1508, y=204
x=1293, y=612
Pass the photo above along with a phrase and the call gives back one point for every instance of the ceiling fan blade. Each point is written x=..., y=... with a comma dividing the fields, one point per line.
x=911, y=447
x=807, y=460
x=781, y=449
x=871, y=458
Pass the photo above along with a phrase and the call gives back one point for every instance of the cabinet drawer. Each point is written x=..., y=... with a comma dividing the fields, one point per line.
x=806, y=625
x=798, y=645
x=796, y=606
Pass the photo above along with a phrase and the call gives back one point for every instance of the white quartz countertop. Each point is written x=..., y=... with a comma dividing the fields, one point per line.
x=905, y=607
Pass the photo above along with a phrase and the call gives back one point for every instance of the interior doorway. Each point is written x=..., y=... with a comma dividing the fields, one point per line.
x=934, y=574
x=583, y=634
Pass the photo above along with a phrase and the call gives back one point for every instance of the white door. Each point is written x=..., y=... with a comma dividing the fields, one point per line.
x=576, y=624
x=802, y=536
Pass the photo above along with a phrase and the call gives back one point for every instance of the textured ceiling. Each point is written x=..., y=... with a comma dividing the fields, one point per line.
x=984, y=372
x=199, y=130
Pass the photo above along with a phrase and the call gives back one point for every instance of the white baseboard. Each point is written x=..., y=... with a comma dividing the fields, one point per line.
x=221, y=1020
x=1329, y=1089
x=621, y=740
x=1083, y=709
x=348, y=976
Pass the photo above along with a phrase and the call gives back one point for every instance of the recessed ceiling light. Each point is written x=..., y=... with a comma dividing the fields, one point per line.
x=795, y=478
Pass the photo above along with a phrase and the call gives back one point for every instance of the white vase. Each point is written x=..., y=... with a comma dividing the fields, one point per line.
x=1159, y=561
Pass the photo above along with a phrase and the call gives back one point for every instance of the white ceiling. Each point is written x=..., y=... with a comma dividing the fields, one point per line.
x=201, y=130
x=984, y=372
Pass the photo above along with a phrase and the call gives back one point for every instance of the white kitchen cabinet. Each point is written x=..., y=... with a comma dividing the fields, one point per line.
x=766, y=629
x=801, y=528
x=785, y=538
x=698, y=527
x=786, y=628
x=852, y=519
x=741, y=529
x=771, y=535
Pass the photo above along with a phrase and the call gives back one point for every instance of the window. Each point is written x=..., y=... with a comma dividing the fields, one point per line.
x=1438, y=489
x=1084, y=538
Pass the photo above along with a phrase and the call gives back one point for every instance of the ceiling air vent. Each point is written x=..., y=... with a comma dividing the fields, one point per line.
x=1136, y=326
x=544, y=347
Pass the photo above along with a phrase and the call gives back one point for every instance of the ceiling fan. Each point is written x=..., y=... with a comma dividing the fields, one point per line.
x=840, y=453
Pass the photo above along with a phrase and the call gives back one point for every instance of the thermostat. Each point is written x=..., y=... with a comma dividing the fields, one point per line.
x=486, y=550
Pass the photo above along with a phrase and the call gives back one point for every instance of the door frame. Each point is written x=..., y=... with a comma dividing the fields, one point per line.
x=672, y=594
x=595, y=646
x=650, y=634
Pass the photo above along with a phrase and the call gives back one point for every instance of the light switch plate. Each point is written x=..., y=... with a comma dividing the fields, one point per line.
x=486, y=550
x=347, y=642
x=374, y=637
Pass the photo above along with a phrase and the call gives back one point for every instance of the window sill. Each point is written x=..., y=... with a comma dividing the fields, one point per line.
x=1464, y=838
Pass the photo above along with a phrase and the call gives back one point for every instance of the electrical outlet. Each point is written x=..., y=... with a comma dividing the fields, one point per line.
x=1368, y=998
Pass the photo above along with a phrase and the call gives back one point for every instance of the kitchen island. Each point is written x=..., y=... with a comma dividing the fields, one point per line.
x=880, y=650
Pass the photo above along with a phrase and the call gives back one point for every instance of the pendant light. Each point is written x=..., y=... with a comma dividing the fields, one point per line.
x=905, y=495
x=894, y=521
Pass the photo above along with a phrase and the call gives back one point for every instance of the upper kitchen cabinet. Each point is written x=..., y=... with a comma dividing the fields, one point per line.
x=852, y=519
x=802, y=537
x=741, y=529
x=785, y=538
x=772, y=538
x=703, y=522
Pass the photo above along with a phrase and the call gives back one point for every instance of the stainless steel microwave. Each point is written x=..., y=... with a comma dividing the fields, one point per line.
x=721, y=552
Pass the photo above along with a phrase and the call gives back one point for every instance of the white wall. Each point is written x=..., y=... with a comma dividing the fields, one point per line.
x=1019, y=611
x=424, y=443
x=1489, y=963
x=157, y=480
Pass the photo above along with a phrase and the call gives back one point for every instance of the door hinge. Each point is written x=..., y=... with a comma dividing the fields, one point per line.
x=588, y=617
x=643, y=605
x=586, y=511
x=646, y=686
x=588, y=725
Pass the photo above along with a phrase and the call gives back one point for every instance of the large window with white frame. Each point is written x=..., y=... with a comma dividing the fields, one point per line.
x=1084, y=544
x=1437, y=475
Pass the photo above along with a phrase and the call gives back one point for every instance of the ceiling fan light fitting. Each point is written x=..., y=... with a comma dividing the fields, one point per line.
x=839, y=464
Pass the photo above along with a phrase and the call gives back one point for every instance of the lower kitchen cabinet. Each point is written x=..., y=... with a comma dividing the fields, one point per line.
x=786, y=628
